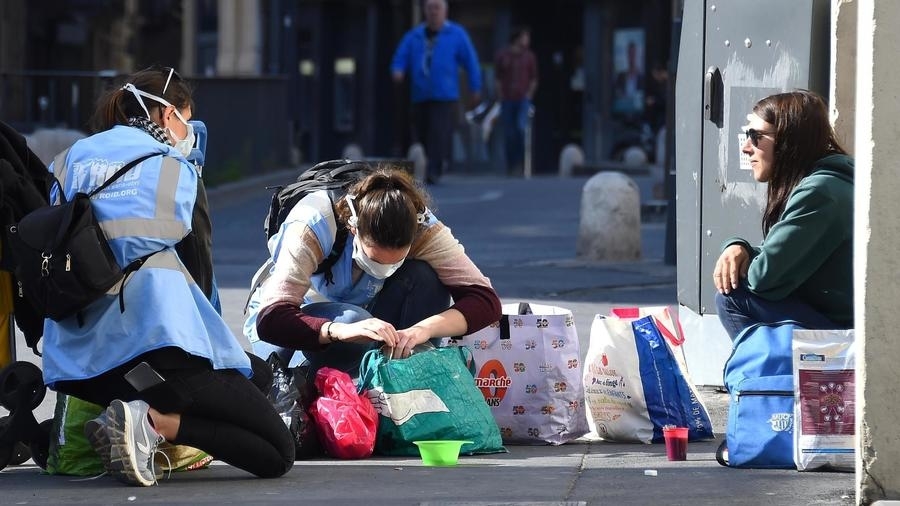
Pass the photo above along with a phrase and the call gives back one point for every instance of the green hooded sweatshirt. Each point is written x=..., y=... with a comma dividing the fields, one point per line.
x=808, y=253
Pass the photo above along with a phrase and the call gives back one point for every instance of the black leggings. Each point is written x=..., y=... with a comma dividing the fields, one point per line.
x=222, y=412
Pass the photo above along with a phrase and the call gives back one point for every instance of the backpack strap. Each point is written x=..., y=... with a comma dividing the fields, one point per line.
x=340, y=243
x=119, y=173
x=331, y=176
x=334, y=195
x=133, y=266
x=60, y=162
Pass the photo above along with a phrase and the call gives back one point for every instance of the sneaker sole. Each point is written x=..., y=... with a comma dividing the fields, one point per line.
x=124, y=466
x=95, y=432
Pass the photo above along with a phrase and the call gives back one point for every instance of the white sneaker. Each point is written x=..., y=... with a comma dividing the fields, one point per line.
x=133, y=442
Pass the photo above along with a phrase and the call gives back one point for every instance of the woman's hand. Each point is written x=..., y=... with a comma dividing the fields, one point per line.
x=409, y=339
x=731, y=266
x=371, y=329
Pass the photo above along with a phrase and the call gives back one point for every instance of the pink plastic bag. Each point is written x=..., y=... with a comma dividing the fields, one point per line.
x=345, y=420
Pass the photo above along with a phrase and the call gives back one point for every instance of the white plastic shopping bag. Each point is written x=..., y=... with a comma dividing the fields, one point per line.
x=528, y=367
x=635, y=379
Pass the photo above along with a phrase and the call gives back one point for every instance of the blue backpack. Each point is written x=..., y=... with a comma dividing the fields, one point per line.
x=760, y=382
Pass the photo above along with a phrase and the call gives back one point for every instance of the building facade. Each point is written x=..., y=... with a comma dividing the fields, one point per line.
x=307, y=78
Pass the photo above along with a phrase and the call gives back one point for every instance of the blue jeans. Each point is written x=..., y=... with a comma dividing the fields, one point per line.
x=514, y=118
x=742, y=308
x=410, y=295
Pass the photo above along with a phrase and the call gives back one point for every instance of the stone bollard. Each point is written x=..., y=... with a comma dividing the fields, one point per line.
x=416, y=153
x=610, y=227
x=49, y=142
x=634, y=157
x=570, y=156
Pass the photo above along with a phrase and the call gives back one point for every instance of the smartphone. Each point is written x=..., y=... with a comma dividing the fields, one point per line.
x=143, y=376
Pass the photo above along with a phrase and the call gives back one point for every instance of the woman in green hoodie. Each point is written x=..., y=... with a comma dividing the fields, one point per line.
x=803, y=270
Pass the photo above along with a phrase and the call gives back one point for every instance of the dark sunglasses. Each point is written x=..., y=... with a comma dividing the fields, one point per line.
x=754, y=136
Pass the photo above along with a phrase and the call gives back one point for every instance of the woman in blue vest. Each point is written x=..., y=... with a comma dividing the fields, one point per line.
x=803, y=270
x=166, y=364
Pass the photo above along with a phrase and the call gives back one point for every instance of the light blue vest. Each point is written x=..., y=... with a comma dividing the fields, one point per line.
x=146, y=210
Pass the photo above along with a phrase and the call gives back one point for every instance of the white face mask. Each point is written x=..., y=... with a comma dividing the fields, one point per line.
x=184, y=146
x=371, y=267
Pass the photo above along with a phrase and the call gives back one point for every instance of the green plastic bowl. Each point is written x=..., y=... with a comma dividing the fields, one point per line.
x=439, y=453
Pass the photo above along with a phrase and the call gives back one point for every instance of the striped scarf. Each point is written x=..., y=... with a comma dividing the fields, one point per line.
x=151, y=128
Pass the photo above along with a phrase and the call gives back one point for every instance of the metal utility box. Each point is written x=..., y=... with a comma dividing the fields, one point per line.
x=731, y=55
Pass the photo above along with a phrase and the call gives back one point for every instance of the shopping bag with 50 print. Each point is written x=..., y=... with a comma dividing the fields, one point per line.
x=529, y=371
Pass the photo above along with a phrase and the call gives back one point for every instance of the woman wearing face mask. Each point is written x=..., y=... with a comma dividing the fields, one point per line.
x=391, y=286
x=154, y=350
x=803, y=270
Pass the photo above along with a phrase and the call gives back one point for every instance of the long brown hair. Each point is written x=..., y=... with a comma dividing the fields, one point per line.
x=803, y=135
x=116, y=105
x=387, y=203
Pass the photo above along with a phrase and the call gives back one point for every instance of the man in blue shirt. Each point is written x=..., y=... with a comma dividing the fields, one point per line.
x=431, y=54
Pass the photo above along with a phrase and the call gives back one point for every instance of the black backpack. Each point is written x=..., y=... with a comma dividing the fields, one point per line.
x=335, y=176
x=62, y=260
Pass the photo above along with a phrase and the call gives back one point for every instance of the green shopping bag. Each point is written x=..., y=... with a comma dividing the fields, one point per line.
x=429, y=396
x=70, y=452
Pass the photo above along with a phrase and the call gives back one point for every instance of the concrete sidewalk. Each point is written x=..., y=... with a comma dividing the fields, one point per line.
x=575, y=473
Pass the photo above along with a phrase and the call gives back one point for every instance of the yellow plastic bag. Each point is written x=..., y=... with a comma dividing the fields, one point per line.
x=181, y=458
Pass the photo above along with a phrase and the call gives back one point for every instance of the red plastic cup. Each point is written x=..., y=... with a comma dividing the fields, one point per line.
x=676, y=442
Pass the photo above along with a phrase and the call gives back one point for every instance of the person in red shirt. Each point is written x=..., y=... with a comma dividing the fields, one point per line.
x=516, y=76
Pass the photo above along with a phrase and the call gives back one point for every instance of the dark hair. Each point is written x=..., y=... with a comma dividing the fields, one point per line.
x=116, y=105
x=803, y=135
x=387, y=202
